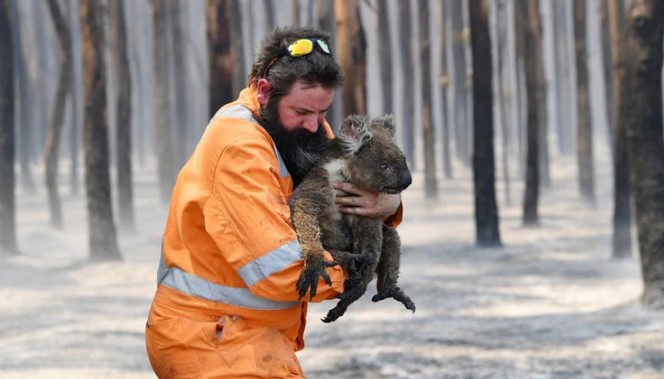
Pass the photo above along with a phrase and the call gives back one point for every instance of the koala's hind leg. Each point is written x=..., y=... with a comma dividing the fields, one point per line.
x=388, y=270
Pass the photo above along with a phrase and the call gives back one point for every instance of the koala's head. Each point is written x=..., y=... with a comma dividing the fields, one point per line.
x=374, y=161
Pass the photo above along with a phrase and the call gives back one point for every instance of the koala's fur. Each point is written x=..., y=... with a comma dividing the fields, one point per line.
x=365, y=155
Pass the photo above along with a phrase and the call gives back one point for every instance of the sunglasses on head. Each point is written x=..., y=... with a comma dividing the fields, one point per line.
x=300, y=48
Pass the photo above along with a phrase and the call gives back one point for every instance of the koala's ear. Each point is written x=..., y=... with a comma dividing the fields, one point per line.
x=354, y=133
x=385, y=123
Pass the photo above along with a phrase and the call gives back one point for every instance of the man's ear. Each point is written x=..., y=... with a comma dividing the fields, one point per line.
x=263, y=88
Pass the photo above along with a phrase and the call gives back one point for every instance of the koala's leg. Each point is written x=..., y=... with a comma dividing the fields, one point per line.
x=361, y=264
x=388, y=270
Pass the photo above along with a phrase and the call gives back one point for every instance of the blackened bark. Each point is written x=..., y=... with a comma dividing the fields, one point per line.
x=163, y=128
x=407, y=71
x=102, y=236
x=219, y=54
x=622, y=209
x=51, y=155
x=584, y=146
x=428, y=134
x=486, y=209
x=643, y=113
x=7, y=176
x=351, y=51
x=529, y=10
x=123, y=119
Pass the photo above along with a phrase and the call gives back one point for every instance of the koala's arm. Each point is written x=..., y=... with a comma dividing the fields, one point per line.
x=248, y=207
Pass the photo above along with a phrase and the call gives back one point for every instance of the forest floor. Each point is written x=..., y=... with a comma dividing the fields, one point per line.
x=550, y=303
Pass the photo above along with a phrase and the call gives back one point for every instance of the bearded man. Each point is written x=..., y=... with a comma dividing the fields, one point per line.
x=226, y=304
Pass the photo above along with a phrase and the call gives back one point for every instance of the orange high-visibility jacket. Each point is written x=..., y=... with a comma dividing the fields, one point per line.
x=229, y=249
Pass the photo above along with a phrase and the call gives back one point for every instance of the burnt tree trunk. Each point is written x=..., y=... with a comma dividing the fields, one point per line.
x=502, y=39
x=162, y=103
x=444, y=83
x=428, y=134
x=76, y=107
x=535, y=22
x=643, y=115
x=584, y=146
x=622, y=209
x=123, y=119
x=269, y=15
x=220, y=58
x=460, y=38
x=607, y=64
x=7, y=176
x=51, y=155
x=385, y=56
x=351, y=51
x=102, y=236
x=239, y=78
x=326, y=21
x=533, y=62
x=407, y=71
x=563, y=62
x=486, y=209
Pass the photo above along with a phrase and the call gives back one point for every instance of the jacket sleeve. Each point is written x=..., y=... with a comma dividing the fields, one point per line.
x=247, y=206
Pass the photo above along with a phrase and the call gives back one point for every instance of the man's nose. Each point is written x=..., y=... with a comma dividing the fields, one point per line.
x=311, y=123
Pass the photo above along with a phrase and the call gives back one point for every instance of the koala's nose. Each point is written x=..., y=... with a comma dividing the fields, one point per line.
x=406, y=179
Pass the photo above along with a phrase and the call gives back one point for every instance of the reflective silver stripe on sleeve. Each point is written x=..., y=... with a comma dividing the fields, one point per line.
x=274, y=261
x=195, y=286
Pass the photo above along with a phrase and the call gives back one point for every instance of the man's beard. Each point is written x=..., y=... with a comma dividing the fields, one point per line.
x=299, y=148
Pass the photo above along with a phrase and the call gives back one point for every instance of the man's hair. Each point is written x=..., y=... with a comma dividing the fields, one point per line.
x=282, y=70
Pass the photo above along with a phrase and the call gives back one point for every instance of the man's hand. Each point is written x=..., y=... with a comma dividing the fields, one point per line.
x=359, y=202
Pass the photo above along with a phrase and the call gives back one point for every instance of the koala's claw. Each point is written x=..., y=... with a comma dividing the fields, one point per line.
x=308, y=281
x=397, y=294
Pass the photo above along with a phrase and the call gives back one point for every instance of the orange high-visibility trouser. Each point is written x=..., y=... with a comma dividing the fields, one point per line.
x=224, y=347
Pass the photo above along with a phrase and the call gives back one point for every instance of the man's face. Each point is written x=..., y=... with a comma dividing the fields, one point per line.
x=295, y=122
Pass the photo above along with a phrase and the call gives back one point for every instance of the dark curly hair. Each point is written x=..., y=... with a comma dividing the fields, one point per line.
x=315, y=68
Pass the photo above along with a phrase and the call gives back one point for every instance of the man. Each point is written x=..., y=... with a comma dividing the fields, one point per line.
x=226, y=304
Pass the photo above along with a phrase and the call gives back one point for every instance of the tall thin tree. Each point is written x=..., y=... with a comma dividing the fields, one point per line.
x=123, y=119
x=408, y=90
x=351, y=51
x=622, y=209
x=643, y=108
x=503, y=99
x=7, y=196
x=444, y=83
x=51, y=155
x=484, y=178
x=385, y=53
x=460, y=39
x=102, y=236
x=219, y=55
x=428, y=132
x=584, y=146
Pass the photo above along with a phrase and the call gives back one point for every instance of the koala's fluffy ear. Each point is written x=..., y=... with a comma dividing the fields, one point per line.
x=354, y=133
x=385, y=123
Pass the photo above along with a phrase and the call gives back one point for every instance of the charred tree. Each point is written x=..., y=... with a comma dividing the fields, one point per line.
x=239, y=78
x=533, y=63
x=563, y=61
x=76, y=96
x=584, y=146
x=7, y=176
x=385, y=56
x=607, y=65
x=444, y=82
x=102, y=236
x=460, y=39
x=484, y=178
x=269, y=14
x=351, y=51
x=51, y=155
x=220, y=57
x=428, y=133
x=162, y=103
x=123, y=118
x=643, y=116
x=535, y=22
x=501, y=40
x=326, y=21
x=622, y=209
x=407, y=72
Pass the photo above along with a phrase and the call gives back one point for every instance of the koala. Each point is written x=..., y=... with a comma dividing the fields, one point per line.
x=365, y=155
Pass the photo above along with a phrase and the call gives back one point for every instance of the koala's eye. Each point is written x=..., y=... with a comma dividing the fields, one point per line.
x=384, y=166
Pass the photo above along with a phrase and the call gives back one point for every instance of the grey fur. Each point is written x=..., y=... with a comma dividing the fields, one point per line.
x=365, y=155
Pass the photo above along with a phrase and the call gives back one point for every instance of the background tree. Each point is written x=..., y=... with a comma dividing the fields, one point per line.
x=584, y=146
x=351, y=52
x=102, y=237
x=385, y=54
x=528, y=10
x=428, y=133
x=123, y=119
x=486, y=209
x=503, y=94
x=643, y=115
x=51, y=155
x=220, y=56
x=408, y=91
x=460, y=39
x=622, y=209
x=7, y=197
x=444, y=83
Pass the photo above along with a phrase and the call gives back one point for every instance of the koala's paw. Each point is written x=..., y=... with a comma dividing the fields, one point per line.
x=397, y=294
x=314, y=267
x=333, y=314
